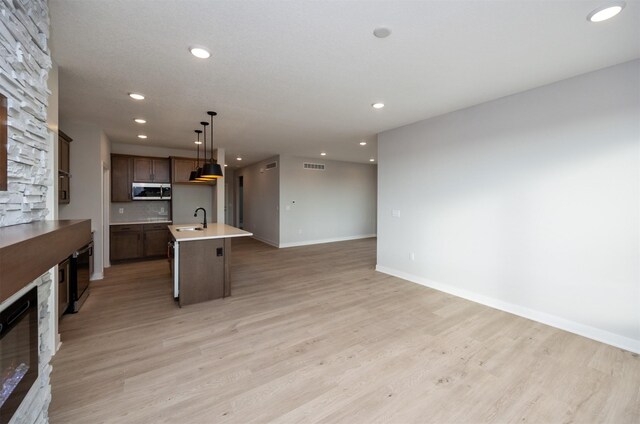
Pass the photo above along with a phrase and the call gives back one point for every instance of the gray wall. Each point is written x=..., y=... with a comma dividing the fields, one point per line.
x=529, y=203
x=261, y=196
x=88, y=148
x=336, y=204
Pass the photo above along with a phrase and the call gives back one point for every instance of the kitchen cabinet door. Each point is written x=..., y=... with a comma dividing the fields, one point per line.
x=126, y=242
x=64, y=147
x=151, y=170
x=120, y=178
x=142, y=170
x=64, y=168
x=155, y=242
x=63, y=287
x=161, y=171
x=182, y=169
x=64, y=194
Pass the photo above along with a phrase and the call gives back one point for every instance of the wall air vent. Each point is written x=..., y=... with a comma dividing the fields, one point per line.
x=271, y=165
x=313, y=166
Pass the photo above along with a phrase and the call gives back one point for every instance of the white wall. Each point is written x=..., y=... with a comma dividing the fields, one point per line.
x=336, y=204
x=529, y=203
x=86, y=154
x=261, y=196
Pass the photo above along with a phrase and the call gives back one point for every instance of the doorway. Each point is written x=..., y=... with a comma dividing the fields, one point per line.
x=240, y=202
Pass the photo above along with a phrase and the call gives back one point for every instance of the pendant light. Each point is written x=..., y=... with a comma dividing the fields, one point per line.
x=195, y=173
x=201, y=177
x=211, y=169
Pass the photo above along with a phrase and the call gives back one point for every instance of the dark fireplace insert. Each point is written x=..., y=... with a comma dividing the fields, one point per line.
x=18, y=352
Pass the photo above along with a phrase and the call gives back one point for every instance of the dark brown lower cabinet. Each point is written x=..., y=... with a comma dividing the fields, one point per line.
x=126, y=242
x=204, y=274
x=156, y=237
x=138, y=241
x=63, y=287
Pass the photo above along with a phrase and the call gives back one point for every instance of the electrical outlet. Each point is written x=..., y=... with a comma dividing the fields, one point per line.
x=396, y=213
x=121, y=210
x=161, y=209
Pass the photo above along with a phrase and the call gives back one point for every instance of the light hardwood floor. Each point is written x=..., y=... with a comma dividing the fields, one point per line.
x=314, y=334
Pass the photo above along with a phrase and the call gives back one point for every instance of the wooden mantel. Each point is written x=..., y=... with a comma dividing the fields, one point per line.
x=28, y=250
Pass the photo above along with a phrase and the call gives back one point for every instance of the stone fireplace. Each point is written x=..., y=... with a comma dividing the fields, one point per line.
x=35, y=404
x=24, y=66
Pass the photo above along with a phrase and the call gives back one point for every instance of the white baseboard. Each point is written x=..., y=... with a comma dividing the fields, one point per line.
x=265, y=241
x=594, y=333
x=329, y=240
x=97, y=276
x=58, y=344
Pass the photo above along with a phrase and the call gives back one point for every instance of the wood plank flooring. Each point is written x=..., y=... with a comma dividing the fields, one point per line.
x=315, y=335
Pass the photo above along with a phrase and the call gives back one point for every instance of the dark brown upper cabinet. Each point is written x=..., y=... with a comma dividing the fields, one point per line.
x=64, y=168
x=151, y=170
x=121, y=176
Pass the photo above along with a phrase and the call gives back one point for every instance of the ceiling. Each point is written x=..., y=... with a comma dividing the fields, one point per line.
x=299, y=77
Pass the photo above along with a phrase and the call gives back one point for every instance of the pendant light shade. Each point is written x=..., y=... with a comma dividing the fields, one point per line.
x=211, y=170
x=201, y=177
x=193, y=176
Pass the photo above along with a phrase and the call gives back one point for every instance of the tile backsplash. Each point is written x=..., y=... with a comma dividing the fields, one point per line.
x=141, y=211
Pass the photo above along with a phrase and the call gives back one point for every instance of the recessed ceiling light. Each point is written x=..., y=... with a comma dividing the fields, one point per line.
x=382, y=32
x=200, y=52
x=140, y=121
x=372, y=160
x=142, y=136
x=238, y=158
x=225, y=165
x=606, y=12
x=136, y=96
x=323, y=154
x=363, y=143
x=378, y=105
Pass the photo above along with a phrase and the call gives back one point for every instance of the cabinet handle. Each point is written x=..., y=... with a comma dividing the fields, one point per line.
x=61, y=275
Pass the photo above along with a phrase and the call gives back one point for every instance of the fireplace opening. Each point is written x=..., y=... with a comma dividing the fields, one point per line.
x=18, y=352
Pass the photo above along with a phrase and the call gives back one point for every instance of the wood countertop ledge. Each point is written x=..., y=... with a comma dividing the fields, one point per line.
x=28, y=250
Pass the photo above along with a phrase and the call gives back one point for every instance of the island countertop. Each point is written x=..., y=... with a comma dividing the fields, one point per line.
x=213, y=231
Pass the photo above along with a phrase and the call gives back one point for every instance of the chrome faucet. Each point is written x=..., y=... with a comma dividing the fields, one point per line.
x=204, y=223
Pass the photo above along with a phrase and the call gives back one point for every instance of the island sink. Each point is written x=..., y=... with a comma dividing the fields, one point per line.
x=189, y=229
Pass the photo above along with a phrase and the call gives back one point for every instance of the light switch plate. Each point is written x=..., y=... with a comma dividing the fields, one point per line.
x=396, y=213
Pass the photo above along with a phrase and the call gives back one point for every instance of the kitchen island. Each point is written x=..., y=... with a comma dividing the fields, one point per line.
x=200, y=260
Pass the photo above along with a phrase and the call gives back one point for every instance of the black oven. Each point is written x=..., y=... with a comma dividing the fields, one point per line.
x=18, y=352
x=80, y=271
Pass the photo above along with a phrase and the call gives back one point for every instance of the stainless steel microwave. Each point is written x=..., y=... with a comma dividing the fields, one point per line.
x=151, y=191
